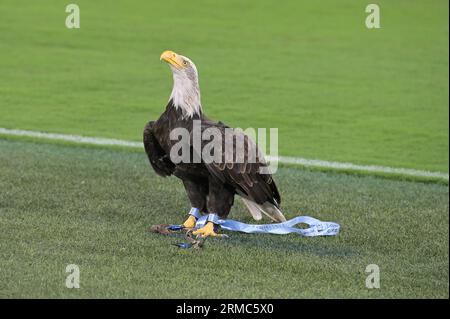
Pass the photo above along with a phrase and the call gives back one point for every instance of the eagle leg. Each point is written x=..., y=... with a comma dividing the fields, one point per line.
x=191, y=221
x=208, y=230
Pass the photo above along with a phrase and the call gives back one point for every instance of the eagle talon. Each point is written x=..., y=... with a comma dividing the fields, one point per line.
x=190, y=222
x=206, y=231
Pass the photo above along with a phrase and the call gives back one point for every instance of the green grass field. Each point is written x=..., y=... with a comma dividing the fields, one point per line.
x=335, y=89
x=61, y=205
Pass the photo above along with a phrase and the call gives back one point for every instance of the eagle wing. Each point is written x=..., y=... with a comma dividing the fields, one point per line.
x=159, y=160
x=245, y=175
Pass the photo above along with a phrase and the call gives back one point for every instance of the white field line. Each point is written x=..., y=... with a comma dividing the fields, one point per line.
x=70, y=138
x=281, y=159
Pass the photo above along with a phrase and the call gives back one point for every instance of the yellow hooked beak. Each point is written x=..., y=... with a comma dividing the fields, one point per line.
x=172, y=58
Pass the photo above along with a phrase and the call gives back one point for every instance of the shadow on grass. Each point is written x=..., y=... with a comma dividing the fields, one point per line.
x=291, y=243
x=288, y=243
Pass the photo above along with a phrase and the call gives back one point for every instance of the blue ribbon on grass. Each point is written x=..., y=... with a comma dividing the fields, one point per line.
x=316, y=227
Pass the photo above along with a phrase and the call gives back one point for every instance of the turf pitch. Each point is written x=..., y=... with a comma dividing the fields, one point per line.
x=63, y=205
x=336, y=90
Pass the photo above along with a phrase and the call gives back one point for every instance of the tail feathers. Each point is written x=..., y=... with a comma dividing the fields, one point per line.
x=253, y=209
x=268, y=209
x=271, y=211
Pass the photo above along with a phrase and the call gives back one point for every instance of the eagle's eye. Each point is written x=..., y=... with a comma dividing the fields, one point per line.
x=185, y=62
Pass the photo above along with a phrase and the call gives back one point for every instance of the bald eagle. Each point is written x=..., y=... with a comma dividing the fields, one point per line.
x=210, y=186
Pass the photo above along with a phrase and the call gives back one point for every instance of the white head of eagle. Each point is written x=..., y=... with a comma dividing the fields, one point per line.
x=186, y=92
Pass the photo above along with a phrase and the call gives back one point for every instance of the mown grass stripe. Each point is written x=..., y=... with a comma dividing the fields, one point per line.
x=282, y=159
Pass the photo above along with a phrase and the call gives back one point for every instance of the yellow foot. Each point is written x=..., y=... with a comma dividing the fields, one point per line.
x=205, y=231
x=190, y=222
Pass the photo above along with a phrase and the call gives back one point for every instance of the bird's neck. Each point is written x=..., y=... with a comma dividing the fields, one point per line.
x=186, y=95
